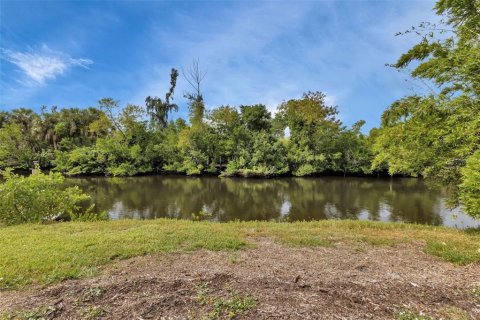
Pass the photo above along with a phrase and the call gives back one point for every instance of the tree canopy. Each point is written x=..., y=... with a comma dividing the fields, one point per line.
x=437, y=134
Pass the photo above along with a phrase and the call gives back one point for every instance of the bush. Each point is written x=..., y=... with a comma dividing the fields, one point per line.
x=38, y=198
x=84, y=160
x=305, y=170
x=122, y=170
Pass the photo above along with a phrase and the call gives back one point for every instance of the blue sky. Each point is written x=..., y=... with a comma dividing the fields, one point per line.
x=71, y=54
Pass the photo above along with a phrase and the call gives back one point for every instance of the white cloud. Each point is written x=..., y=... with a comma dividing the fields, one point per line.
x=236, y=49
x=44, y=64
x=270, y=52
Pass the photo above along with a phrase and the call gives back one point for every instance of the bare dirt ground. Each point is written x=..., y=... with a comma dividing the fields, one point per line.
x=267, y=282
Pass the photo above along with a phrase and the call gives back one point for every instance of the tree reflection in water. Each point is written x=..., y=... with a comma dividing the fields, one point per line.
x=286, y=199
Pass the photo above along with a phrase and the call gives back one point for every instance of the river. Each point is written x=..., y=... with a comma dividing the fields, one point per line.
x=281, y=199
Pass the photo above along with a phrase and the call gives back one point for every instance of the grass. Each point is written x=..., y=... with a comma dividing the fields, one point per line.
x=232, y=306
x=43, y=254
x=453, y=313
x=476, y=292
x=93, y=312
x=41, y=313
x=411, y=315
x=223, y=307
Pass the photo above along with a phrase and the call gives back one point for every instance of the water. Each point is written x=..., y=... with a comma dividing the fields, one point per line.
x=286, y=199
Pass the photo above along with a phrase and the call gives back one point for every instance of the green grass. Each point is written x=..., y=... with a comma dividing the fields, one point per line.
x=232, y=306
x=43, y=254
x=222, y=307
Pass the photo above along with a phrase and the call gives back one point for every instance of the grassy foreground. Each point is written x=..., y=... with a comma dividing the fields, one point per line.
x=42, y=254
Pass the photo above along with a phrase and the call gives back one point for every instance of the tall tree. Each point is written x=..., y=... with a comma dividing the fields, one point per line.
x=111, y=109
x=194, y=76
x=159, y=109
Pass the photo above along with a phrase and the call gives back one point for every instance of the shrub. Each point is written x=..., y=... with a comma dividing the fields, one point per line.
x=83, y=160
x=305, y=170
x=37, y=198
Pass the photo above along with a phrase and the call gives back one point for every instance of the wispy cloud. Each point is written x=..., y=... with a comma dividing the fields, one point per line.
x=269, y=52
x=241, y=52
x=44, y=64
x=254, y=52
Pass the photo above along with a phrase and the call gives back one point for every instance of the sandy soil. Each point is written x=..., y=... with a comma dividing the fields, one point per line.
x=362, y=282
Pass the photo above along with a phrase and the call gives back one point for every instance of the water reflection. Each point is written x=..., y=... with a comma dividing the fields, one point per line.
x=287, y=199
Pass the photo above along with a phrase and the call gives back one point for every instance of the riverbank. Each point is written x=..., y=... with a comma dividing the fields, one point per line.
x=176, y=268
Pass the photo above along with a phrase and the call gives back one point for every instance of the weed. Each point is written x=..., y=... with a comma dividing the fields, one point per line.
x=93, y=312
x=235, y=259
x=407, y=314
x=91, y=293
x=476, y=292
x=40, y=313
x=5, y=316
x=233, y=306
x=202, y=292
x=453, y=313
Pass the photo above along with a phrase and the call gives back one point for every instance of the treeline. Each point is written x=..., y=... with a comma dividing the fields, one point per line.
x=244, y=141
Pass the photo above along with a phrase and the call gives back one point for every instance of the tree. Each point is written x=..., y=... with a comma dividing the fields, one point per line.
x=470, y=186
x=158, y=109
x=15, y=150
x=437, y=135
x=4, y=118
x=111, y=109
x=313, y=129
x=194, y=76
x=354, y=151
x=256, y=117
x=225, y=121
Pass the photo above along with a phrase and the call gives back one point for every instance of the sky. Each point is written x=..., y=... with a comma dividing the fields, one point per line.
x=73, y=53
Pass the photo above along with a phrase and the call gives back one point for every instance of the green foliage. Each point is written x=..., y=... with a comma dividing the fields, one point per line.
x=37, y=198
x=83, y=160
x=118, y=141
x=263, y=156
x=354, y=151
x=470, y=186
x=318, y=142
x=305, y=170
x=15, y=150
x=437, y=135
x=233, y=306
x=256, y=117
